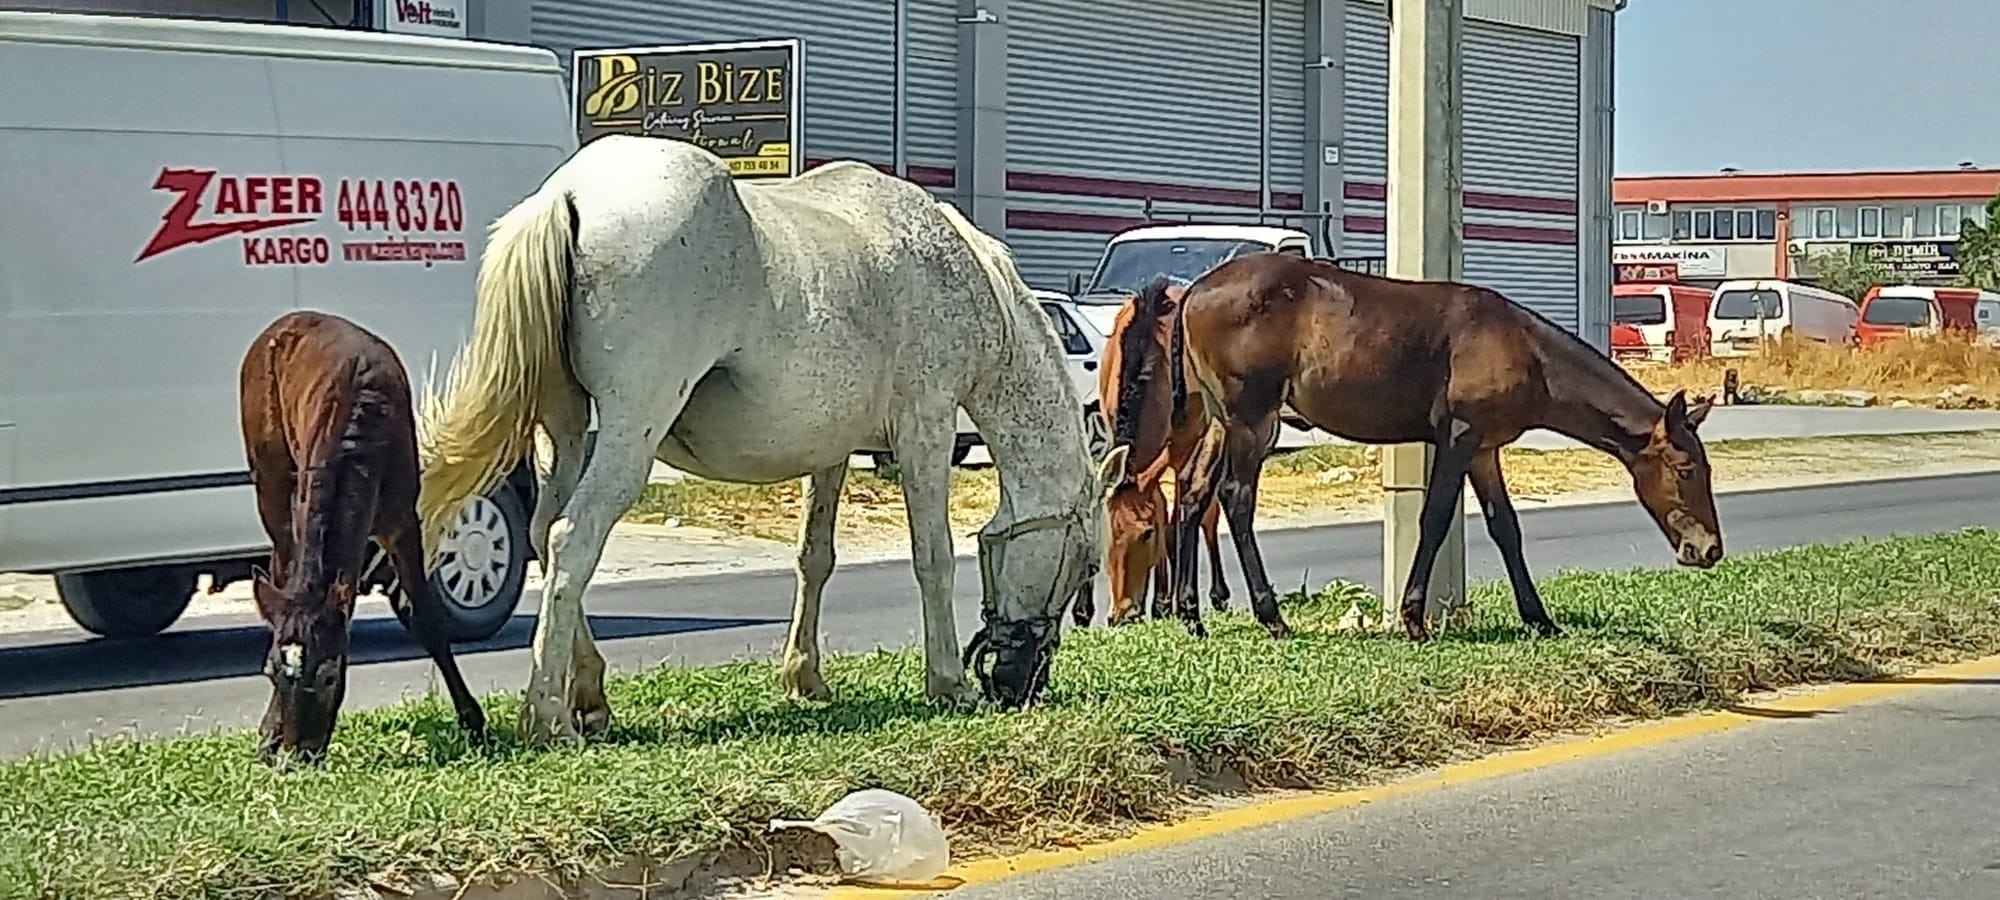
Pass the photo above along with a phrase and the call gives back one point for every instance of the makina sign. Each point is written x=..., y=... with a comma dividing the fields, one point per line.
x=740, y=101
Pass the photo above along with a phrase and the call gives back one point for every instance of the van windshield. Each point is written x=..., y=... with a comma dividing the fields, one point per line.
x=1131, y=264
x=1749, y=304
x=1910, y=312
x=1639, y=309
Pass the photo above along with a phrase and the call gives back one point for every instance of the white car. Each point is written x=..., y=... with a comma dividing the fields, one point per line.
x=1084, y=343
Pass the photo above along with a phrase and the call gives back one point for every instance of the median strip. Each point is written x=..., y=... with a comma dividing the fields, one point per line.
x=1142, y=721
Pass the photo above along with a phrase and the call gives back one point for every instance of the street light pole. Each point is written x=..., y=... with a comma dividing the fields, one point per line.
x=1426, y=237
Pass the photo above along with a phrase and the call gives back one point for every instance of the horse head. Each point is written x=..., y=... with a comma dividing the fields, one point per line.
x=1022, y=611
x=306, y=663
x=1671, y=476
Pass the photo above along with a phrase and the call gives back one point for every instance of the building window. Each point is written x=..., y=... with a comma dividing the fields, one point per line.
x=1948, y=216
x=1725, y=225
x=1704, y=224
x=1822, y=219
x=1746, y=224
x=1846, y=226
x=1974, y=212
x=1767, y=224
x=1656, y=226
x=1892, y=221
x=1681, y=228
x=1871, y=221
x=1628, y=225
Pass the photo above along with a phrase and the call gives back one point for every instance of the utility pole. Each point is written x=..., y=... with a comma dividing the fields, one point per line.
x=1426, y=241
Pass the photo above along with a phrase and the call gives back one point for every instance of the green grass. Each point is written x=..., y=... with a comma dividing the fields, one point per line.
x=701, y=758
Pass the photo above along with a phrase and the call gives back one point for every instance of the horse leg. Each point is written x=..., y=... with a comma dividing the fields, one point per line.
x=1086, y=603
x=1455, y=449
x=1194, y=488
x=1505, y=528
x=1244, y=459
x=1218, y=586
x=923, y=447
x=427, y=623
x=566, y=420
x=566, y=684
x=1169, y=563
x=815, y=565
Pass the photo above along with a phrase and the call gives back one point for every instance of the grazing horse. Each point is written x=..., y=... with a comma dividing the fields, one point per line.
x=332, y=445
x=752, y=332
x=1149, y=414
x=1388, y=361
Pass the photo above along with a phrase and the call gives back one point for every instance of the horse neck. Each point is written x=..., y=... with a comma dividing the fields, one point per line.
x=1145, y=412
x=334, y=508
x=1038, y=451
x=1593, y=400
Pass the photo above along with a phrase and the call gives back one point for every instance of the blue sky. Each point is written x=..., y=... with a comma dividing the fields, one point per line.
x=1767, y=85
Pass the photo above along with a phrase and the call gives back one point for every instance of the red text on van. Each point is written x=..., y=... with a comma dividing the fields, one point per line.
x=274, y=201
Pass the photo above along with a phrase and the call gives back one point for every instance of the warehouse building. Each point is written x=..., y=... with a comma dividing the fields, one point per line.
x=1059, y=122
x=1703, y=229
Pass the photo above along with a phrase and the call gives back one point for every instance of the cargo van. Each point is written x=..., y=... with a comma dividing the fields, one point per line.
x=1745, y=312
x=150, y=231
x=1900, y=310
x=1660, y=322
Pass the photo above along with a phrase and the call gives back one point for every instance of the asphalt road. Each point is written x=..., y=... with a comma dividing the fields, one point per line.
x=1892, y=798
x=61, y=686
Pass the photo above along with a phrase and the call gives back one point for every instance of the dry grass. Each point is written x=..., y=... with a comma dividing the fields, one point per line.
x=1313, y=481
x=1915, y=369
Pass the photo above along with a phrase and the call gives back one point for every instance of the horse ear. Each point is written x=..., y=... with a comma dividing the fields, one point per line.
x=1675, y=417
x=1699, y=412
x=1111, y=470
x=269, y=599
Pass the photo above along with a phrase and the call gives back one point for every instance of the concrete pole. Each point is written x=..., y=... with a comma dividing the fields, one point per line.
x=1426, y=241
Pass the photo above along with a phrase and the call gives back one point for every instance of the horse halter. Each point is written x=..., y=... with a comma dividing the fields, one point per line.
x=1039, y=633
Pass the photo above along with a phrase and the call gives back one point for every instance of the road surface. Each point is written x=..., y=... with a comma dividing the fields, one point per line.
x=1891, y=798
x=60, y=686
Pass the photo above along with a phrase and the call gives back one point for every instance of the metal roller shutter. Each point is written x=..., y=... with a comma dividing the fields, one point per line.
x=1364, y=152
x=849, y=54
x=931, y=99
x=1149, y=91
x=1288, y=98
x=1522, y=119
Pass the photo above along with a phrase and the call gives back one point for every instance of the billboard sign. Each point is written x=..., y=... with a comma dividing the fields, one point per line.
x=741, y=101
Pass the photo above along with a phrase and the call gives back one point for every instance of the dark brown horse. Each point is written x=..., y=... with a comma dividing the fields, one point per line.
x=1147, y=414
x=332, y=445
x=1386, y=361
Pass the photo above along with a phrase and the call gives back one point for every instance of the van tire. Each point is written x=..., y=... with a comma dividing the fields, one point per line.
x=505, y=517
x=127, y=603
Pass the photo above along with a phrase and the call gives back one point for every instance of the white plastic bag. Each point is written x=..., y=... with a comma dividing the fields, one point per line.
x=881, y=835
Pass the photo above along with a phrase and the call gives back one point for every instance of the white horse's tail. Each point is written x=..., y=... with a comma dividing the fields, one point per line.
x=483, y=424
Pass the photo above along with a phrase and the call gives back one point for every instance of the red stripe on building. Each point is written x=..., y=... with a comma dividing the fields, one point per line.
x=1808, y=186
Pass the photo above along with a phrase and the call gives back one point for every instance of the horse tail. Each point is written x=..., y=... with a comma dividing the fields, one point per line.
x=484, y=422
x=1139, y=363
x=1177, y=363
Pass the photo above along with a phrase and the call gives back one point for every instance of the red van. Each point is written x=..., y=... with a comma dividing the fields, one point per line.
x=1659, y=322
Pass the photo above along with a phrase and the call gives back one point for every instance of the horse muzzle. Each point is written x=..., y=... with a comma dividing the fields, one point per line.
x=1011, y=662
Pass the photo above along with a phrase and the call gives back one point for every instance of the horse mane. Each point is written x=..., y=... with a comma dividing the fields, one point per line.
x=997, y=259
x=325, y=502
x=1138, y=362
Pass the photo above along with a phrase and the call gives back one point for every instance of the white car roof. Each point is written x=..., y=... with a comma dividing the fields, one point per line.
x=1269, y=234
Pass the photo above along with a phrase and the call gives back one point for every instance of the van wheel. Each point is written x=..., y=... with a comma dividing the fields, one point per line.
x=482, y=566
x=127, y=603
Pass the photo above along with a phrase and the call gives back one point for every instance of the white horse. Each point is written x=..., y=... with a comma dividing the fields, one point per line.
x=754, y=332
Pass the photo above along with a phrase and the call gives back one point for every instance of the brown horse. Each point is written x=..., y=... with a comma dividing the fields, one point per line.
x=1387, y=361
x=1144, y=405
x=332, y=445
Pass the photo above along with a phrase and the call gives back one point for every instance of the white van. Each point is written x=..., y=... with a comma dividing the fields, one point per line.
x=149, y=231
x=1745, y=311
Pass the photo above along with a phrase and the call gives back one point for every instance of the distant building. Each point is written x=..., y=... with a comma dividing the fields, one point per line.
x=1703, y=229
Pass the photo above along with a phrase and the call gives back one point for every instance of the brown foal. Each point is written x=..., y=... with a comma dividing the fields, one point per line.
x=1142, y=403
x=331, y=441
x=1387, y=361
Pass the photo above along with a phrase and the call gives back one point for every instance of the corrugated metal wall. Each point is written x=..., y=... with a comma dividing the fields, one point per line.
x=1595, y=209
x=1146, y=91
x=1288, y=98
x=1521, y=141
x=849, y=54
x=931, y=99
x=1521, y=150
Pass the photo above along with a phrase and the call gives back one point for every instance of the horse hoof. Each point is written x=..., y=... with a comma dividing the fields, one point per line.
x=1279, y=629
x=593, y=722
x=1417, y=630
x=1219, y=601
x=1548, y=629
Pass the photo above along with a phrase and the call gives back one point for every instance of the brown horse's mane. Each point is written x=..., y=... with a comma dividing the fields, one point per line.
x=1139, y=363
x=331, y=502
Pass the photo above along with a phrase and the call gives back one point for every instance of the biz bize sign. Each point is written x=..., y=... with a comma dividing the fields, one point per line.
x=740, y=101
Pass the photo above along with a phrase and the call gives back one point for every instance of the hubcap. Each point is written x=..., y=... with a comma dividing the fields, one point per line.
x=472, y=564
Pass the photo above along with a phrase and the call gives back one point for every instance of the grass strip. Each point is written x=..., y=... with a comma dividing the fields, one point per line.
x=702, y=757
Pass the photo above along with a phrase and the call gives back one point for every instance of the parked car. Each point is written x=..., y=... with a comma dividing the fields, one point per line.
x=1900, y=310
x=1746, y=312
x=1084, y=344
x=1659, y=322
x=147, y=243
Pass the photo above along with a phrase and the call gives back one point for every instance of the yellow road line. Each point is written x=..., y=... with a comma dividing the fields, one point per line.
x=1288, y=808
